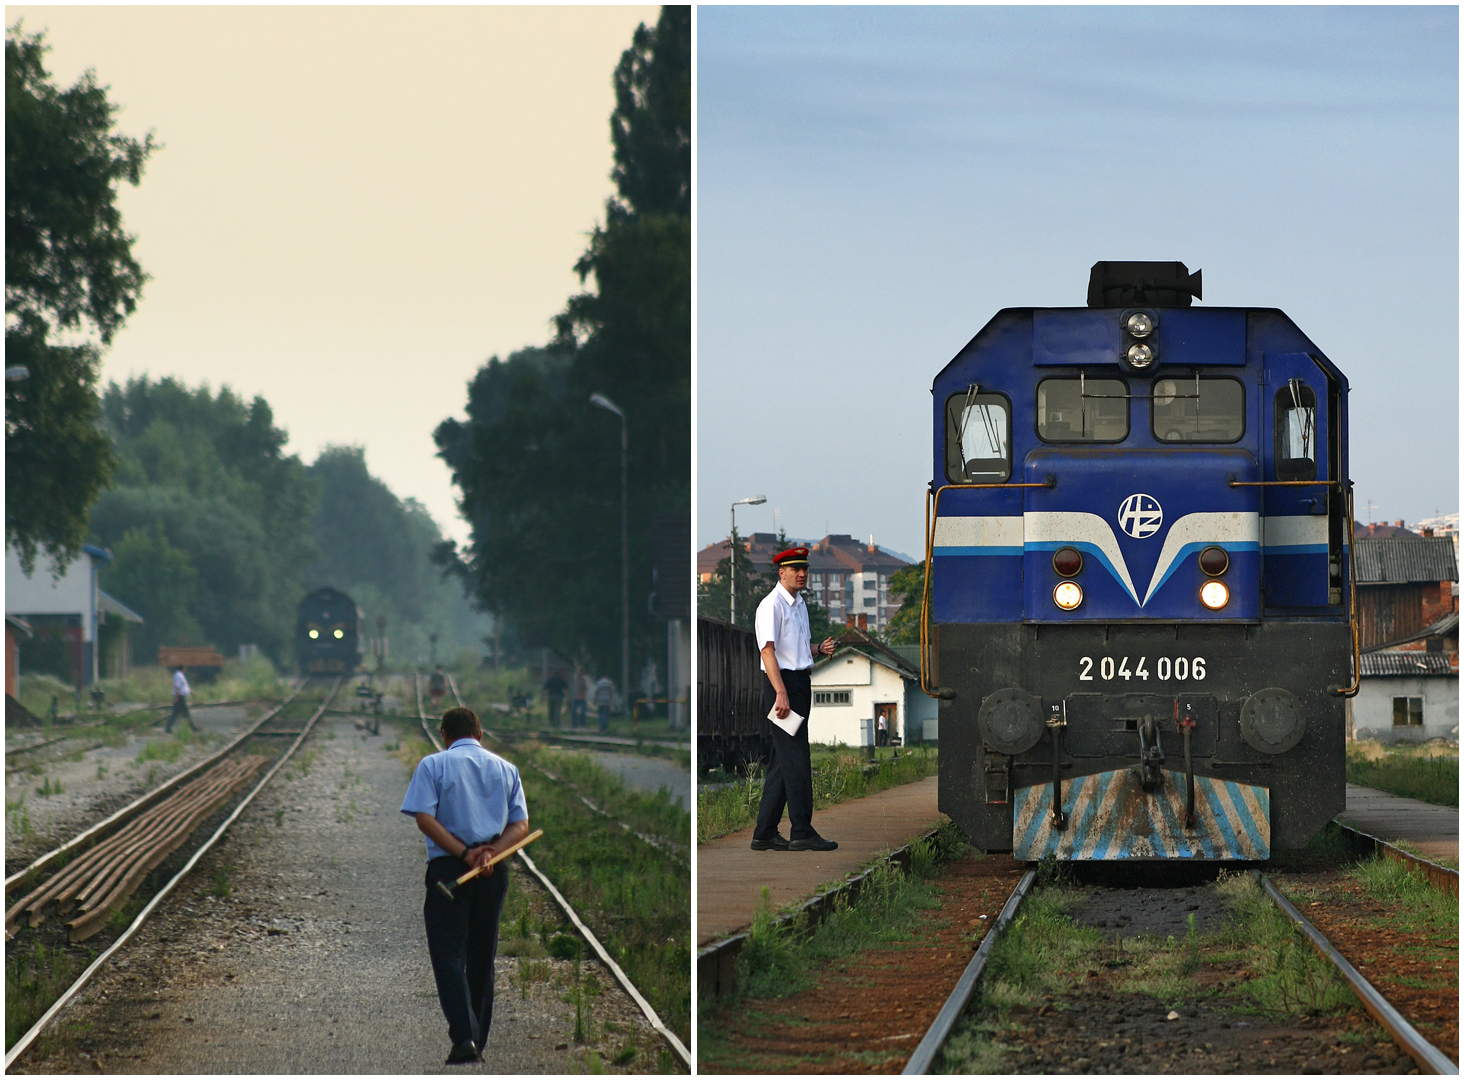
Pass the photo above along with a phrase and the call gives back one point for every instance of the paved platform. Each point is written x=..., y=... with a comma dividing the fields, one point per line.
x=730, y=876
x=1432, y=830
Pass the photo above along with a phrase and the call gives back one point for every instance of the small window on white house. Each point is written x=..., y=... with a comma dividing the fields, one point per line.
x=1408, y=712
x=831, y=697
x=869, y=583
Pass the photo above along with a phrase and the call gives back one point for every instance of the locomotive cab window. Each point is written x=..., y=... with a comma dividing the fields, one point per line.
x=1198, y=410
x=978, y=438
x=1082, y=410
x=1296, y=432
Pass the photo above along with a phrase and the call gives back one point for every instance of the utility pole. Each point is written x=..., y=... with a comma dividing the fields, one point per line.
x=605, y=403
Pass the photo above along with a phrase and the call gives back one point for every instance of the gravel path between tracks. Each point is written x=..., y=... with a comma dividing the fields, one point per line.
x=105, y=779
x=316, y=961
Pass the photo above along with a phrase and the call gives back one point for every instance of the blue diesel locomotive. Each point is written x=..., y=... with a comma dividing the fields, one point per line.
x=1137, y=610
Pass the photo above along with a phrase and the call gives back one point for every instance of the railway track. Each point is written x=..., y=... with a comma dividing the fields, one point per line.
x=1428, y=1058
x=675, y=1043
x=92, y=874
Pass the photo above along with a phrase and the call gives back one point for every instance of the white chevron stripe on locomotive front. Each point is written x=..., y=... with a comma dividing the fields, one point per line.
x=973, y=535
x=1232, y=531
x=1089, y=530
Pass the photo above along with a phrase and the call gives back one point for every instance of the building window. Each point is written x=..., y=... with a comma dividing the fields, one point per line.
x=869, y=583
x=1408, y=712
x=831, y=697
x=869, y=601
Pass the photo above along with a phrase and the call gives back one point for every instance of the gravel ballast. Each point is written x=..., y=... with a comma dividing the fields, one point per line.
x=297, y=946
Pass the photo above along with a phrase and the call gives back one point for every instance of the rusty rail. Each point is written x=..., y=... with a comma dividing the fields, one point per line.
x=1440, y=877
x=1429, y=1058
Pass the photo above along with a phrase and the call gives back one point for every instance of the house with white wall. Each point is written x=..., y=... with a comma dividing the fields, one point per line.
x=863, y=681
x=68, y=606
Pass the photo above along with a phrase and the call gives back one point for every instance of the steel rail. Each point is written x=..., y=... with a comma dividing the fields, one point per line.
x=945, y=1021
x=29, y=1037
x=137, y=804
x=1429, y=1057
x=624, y=980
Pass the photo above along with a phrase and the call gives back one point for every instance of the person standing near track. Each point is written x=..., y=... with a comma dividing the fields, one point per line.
x=181, y=694
x=786, y=646
x=604, y=698
x=437, y=688
x=579, y=693
x=469, y=804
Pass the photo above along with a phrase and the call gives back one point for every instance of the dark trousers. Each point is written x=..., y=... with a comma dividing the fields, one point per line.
x=790, y=773
x=180, y=708
x=604, y=717
x=555, y=701
x=577, y=712
x=462, y=938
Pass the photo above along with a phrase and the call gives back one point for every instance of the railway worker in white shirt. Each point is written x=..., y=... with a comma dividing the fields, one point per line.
x=785, y=642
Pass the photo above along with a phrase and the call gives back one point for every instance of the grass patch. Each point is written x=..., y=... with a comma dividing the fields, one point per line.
x=635, y=897
x=838, y=775
x=1420, y=905
x=32, y=983
x=1430, y=779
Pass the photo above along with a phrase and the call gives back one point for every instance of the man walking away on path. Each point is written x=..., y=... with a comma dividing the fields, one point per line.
x=604, y=697
x=554, y=688
x=181, y=693
x=469, y=804
x=786, y=645
x=579, y=692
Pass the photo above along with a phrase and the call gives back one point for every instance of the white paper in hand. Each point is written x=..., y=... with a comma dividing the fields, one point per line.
x=788, y=724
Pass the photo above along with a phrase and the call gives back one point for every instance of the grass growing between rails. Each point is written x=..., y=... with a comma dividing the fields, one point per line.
x=1428, y=778
x=838, y=775
x=34, y=981
x=1256, y=962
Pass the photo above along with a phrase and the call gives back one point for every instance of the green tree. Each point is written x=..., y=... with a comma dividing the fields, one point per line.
x=539, y=466
x=713, y=598
x=909, y=584
x=68, y=268
x=158, y=581
x=209, y=472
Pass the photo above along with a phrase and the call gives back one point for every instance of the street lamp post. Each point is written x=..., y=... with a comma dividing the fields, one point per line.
x=755, y=500
x=605, y=403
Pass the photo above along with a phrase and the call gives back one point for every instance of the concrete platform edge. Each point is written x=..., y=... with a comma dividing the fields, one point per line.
x=1441, y=877
x=716, y=964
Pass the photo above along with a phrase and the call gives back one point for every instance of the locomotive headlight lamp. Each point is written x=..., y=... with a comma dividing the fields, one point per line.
x=1139, y=324
x=1214, y=561
x=1068, y=595
x=1140, y=356
x=1214, y=595
x=1068, y=562
x=314, y=634
x=340, y=634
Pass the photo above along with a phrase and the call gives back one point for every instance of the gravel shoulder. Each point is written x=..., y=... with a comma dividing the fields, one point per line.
x=296, y=946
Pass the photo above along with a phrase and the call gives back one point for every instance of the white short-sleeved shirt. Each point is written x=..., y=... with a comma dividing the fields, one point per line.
x=782, y=618
x=180, y=685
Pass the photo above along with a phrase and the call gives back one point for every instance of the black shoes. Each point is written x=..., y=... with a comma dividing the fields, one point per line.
x=812, y=843
x=773, y=843
x=464, y=1053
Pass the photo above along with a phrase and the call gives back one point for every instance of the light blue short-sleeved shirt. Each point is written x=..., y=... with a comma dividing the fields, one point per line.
x=472, y=791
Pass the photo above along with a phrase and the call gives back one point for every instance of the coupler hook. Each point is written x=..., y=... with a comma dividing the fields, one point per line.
x=1151, y=755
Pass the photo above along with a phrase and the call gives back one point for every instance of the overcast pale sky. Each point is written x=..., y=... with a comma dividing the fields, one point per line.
x=875, y=183
x=355, y=207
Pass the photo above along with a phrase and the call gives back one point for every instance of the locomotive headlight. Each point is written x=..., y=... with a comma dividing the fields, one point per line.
x=1214, y=595
x=340, y=634
x=1139, y=325
x=314, y=634
x=1140, y=356
x=1068, y=595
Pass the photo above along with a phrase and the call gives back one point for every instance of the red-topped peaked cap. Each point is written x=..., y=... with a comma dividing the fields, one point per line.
x=794, y=556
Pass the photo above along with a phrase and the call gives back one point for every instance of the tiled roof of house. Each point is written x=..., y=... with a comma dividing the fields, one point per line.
x=1405, y=559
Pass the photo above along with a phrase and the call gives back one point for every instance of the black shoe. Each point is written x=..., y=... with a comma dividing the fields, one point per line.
x=772, y=843
x=464, y=1053
x=812, y=843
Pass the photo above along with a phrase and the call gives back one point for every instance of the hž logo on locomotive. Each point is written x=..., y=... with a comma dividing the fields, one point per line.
x=1140, y=516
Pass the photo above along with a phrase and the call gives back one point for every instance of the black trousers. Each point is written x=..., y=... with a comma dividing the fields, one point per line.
x=790, y=773
x=180, y=708
x=462, y=939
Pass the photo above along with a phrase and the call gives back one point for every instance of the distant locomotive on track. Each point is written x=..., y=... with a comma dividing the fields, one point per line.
x=1137, y=609
x=328, y=634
